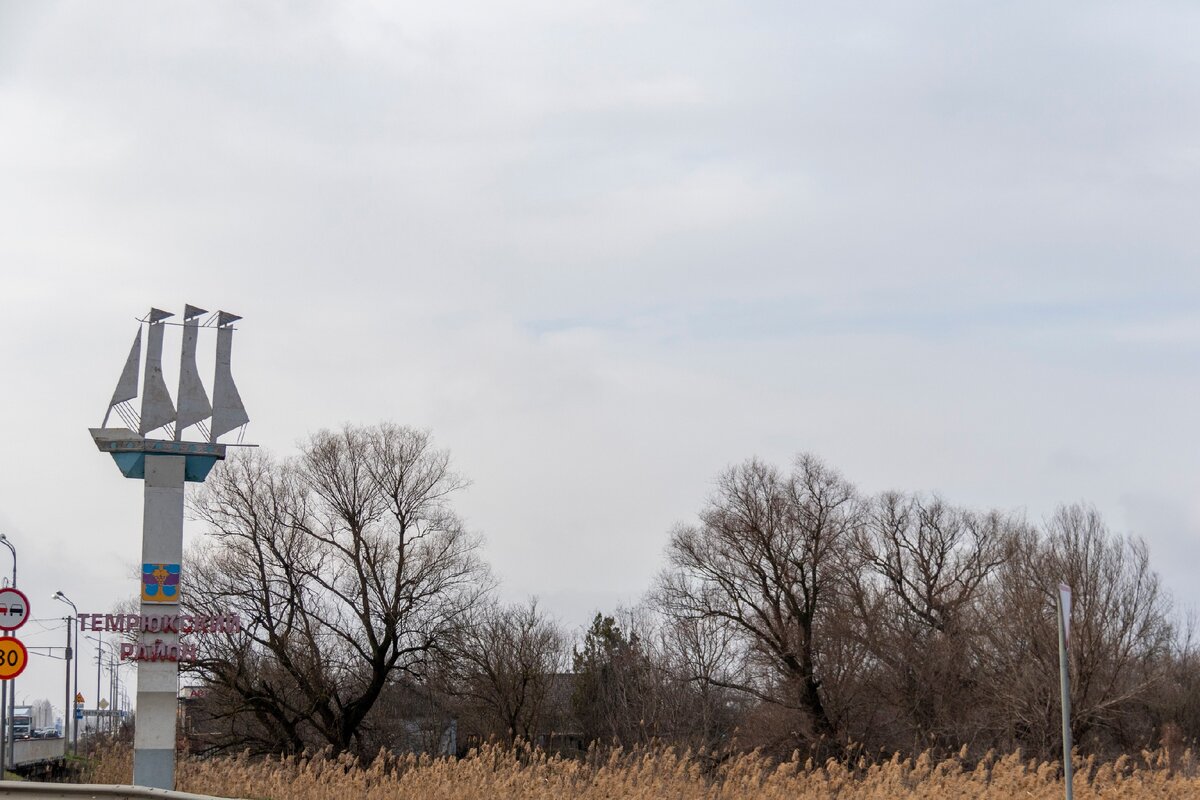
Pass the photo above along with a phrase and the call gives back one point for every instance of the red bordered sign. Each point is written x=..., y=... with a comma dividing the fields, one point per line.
x=14, y=609
x=13, y=658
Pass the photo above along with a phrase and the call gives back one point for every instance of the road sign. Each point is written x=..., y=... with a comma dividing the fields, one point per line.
x=13, y=658
x=103, y=704
x=79, y=713
x=79, y=697
x=14, y=609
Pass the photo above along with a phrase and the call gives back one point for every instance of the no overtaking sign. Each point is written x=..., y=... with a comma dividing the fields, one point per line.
x=14, y=609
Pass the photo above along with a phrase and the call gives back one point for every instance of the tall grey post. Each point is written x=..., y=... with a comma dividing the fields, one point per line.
x=166, y=465
x=1064, y=677
x=8, y=691
x=158, y=681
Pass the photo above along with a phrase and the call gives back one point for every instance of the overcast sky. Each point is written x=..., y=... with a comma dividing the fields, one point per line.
x=605, y=249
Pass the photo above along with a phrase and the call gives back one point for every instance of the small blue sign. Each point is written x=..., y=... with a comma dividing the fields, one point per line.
x=79, y=713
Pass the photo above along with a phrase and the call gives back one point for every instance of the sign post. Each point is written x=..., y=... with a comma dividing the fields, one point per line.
x=14, y=612
x=1064, y=678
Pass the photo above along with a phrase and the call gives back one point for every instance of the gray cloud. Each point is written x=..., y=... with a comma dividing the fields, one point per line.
x=605, y=249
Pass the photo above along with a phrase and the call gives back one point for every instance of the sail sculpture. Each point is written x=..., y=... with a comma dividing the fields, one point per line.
x=127, y=384
x=193, y=402
x=158, y=410
x=228, y=411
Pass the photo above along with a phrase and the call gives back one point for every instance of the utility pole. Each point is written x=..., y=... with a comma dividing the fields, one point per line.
x=67, y=697
x=105, y=649
x=99, y=658
x=74, y=715
x=71, y=705
x=115, y=697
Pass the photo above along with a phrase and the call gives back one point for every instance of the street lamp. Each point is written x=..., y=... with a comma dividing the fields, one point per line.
x=10, y=688
x=99, y=662
x=105, y=648
x=4, y=541
x=70, y=711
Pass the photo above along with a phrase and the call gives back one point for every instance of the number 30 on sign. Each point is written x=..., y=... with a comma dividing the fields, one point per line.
x=13, y=658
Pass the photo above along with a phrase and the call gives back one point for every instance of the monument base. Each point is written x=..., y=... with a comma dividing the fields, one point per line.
x=129, y=451
x=154, y=768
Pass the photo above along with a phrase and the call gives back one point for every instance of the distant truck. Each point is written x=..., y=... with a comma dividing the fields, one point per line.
x=22, y=724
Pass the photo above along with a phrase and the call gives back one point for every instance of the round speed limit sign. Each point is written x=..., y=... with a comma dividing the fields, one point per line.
x=13, y=658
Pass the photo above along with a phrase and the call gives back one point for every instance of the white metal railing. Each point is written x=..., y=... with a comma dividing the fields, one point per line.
x=74, y=791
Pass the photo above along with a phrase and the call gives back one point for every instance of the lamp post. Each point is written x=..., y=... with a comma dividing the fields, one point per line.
x=8, y=723
x=99, y=661
x=105, y=648
x=114, y=688
x=71, y=696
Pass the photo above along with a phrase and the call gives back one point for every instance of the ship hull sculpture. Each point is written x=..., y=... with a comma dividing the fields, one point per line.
x=165, y=465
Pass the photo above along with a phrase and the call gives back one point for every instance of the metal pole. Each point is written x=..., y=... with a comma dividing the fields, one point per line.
x=78, y=644
x=12, y=685
x=70, y=709
x=114, y=692
x=104, y=716
x=67, y=699
x=3, y=723
x=1065, y=686
x=99, y=658
x=10, y=729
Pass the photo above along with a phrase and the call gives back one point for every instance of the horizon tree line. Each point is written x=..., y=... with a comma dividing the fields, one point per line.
x=793, y=612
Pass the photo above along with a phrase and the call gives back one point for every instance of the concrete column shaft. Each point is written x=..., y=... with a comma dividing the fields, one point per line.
x=158, y=681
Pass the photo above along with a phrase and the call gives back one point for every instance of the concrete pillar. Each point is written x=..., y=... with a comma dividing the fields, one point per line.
x=158, y=681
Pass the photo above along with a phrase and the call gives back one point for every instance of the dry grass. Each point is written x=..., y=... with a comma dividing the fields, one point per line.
x=500, y=774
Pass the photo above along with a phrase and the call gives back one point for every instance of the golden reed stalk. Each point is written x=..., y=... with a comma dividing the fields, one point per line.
x=499, y=773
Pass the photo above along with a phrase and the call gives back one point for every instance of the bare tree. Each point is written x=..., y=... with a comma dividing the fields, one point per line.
x=700, y=655
x=347, y=566
x=501, y=665
x=1121, y=636
x=1175, y=704
x=767, y=561
x=918, y=615
x=931, y=556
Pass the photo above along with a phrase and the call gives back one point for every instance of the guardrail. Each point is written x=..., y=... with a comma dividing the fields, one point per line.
x=31, y=750
x=26, y=790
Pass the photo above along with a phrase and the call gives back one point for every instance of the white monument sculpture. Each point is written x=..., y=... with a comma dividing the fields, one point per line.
x=165, y=464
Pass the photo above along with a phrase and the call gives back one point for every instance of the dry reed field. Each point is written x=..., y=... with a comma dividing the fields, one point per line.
x=495, y=773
